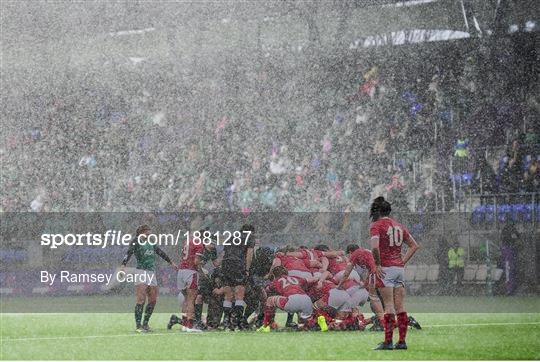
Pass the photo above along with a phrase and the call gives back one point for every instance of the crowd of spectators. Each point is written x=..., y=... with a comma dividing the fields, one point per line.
x=273, y=137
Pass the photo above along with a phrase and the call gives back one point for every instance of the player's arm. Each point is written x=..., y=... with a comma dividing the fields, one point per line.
x=311, y=280
x=412, y=247
x=270, y=288
x=130, y=252
x=197, y=261
x=296, y=254
x=163, y=255
x=376, y=255
x=346, y=273
x=275, y=262
x=203, y=272
x=249, y=259
x=324, y=264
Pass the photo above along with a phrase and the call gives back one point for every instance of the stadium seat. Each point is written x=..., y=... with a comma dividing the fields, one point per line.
x=421, y=273
x=433, y=273
x=481, y=273
x=503, y=212
x=410, y=271
x=489, y=215
x=527, y=160
x=466, y=178
x=13, y=255
x=528, y=212
x=478, y=214
x=518, y=210
x=470, y=272
x=497, y=274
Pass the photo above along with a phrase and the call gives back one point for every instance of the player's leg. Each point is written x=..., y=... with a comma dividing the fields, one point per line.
x=359, y=297
x=252, y=301
x=303, y=305
x=151, y=293
x=229, y=271
x=228, y=295
x=199, y=302
x=270, y=306
x=387, y=294
x=238, y=308
x=182, y=282
x=215, y=310
x=262, y=300
x=376, y=307
x=140, y=297
x=189, y=309
x=341, y=301
x=402, y=318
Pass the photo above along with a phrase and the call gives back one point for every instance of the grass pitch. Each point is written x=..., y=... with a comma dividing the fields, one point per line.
x=95, y=336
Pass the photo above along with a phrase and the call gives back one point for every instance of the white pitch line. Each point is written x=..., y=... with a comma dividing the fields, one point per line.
x=481, y=324
x=89, y=337
x=183, y=334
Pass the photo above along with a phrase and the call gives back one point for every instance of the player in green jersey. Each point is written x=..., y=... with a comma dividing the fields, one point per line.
x=146, y=288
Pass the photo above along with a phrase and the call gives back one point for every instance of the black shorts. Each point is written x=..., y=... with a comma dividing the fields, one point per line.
x=205, y=288
x=233, y=273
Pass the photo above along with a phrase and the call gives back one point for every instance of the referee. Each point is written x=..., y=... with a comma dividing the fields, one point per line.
x=235, y=267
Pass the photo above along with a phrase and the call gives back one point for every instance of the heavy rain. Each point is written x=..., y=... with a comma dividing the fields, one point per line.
x=288, y=116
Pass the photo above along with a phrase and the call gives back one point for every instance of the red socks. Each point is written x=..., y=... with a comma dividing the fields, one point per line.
x=389, y=324
x=188, y=323
x=402, y=323
x=269, y=313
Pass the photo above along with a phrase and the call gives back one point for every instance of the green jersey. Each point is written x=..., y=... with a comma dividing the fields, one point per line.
x=145, y=253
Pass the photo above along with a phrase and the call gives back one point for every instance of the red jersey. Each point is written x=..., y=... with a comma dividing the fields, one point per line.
x=292, y=263
x=316, y=293
x=287, y=286
x=391, y=236
x=190, y=252
x=364, y=259
x=337, y=264
x=311, y=255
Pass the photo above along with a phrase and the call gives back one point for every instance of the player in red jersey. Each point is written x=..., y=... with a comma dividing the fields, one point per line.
x=289, y=296
x=312, y=259
x=295, y=266
x=387, y=237
x=187, y=282
x=335, y=305
x=337, y=267
x=315, y=260
x=362, y=261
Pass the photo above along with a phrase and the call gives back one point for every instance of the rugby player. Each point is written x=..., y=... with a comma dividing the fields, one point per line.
x=236, y=265
x=330, y=302
x=296, y=266
x=145, y=254
x=205, y=289
x=387, y=237
x=288, y=296
x=362, y=262
x=256, y=294
x=188, y=283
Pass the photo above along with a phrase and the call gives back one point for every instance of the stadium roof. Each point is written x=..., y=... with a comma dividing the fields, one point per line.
x=40, y=36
